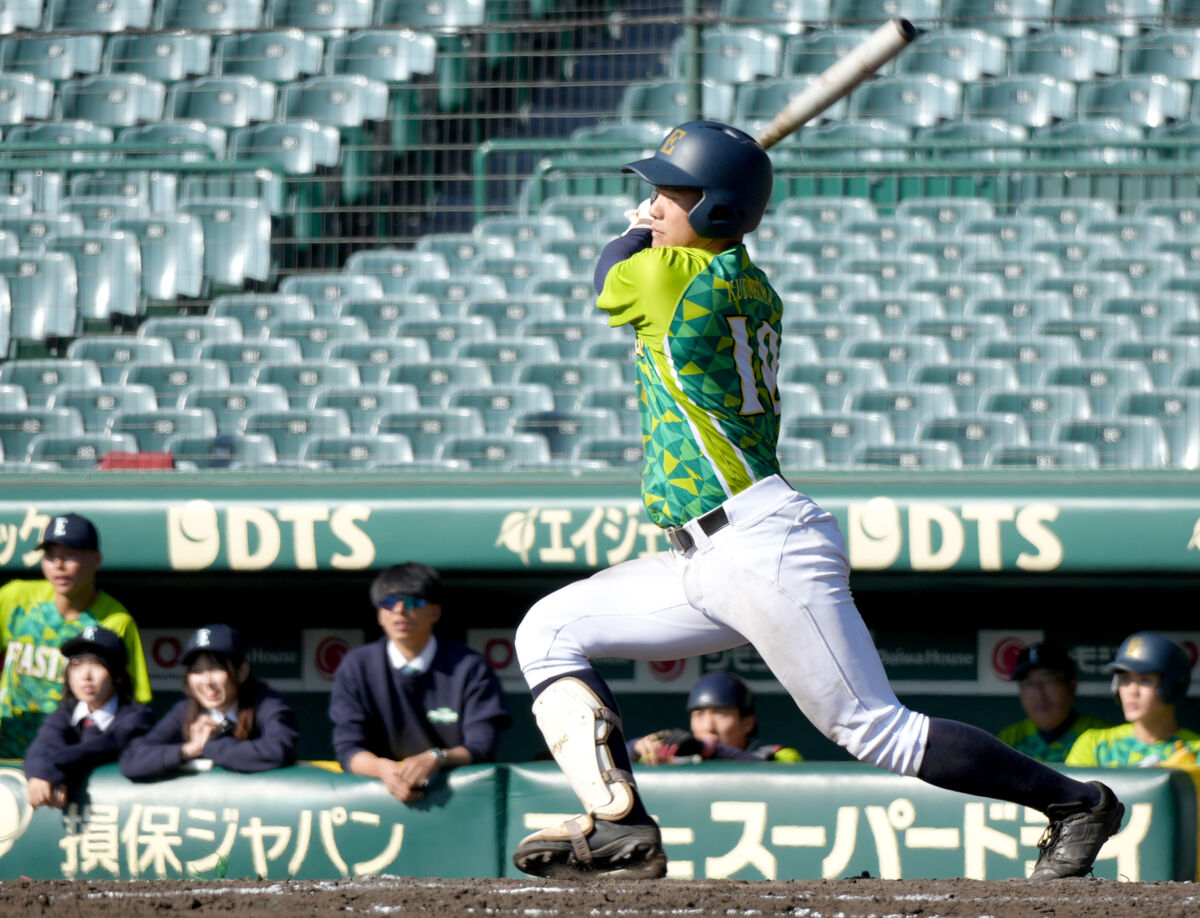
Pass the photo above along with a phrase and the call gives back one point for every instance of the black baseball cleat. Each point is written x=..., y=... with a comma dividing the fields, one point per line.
x=1075, y=836
x=584, y=846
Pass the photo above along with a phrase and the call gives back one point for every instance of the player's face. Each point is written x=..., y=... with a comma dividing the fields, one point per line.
x=211, y=683
x=71, y=571
x=1139, y=695
x=1047, y=697
x=407, y=623
x=669, y=210
x=90, y=681
x=723, y=725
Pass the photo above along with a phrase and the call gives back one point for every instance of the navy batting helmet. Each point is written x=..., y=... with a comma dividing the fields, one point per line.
x=1151, y=652
x=728, y=165
x=721, y=690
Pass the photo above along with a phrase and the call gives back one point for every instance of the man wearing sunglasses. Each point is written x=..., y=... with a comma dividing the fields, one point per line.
x=409, y=705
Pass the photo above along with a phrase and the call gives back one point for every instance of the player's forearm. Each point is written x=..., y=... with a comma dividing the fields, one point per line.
x=617, y=251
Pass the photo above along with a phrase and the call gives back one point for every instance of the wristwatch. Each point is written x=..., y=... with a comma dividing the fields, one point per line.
x=439, y=756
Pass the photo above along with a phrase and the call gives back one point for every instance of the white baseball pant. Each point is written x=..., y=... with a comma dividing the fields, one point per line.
x=776, y=577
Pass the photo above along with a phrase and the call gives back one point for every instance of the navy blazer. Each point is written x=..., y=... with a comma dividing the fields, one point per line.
x=272, y=744
x=63, y=752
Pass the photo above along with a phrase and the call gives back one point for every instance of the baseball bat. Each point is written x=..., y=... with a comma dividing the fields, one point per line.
x=880, y=47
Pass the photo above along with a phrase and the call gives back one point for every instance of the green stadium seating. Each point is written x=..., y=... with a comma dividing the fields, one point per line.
x=231, y=101
x=1028, y=101
x=498, y=453
x=827, y=292
x=918, y=100
x=108, y=268
x=1174, y=53
x=248, y=451
x=565, y=430
x=616, y=452
x=240, y=360
x=1121, y=442
x=78, y=452
x=99, y=213
x=839, y=434
x=1044, y=456
x=827, y=252
x=232, y=404
x=12, y=395
x=113, y=353
x=897, y=355
x=112, y=99
x=24, y=97
x=1018, y=273
x=572, y=335
x=56, y=58
x=326, y=291
x=891, y=274
x=953, y=256
x=434, y=378
x=621, y=401
x=1078, y=54
x=510, y=315
x=237, y=240
x=381, y=316
x=732, y=54
x=445, y=335
x=315, y=336
x=501, y=403
x=976, y=435
x=817, y=51
x=1164, y=358
x=451, y=292
x=208, y=16
x=19, y=427
x=303, y=379
x=290, y=430
x=664, y=101
x=967, y=381
x=397, y=269
x=1152, y=313
x=427, y=428
x=166, y=57
x=980, y=140
x=590, y=215
x=357, y=451
x=377, y=357
x=184, y=134
x=965, y=55
x=1104, y=381
x=568, y=380
x=1178, y=412
x=1021, y=314
x=152, y=429
x=1043, y=408
x=24, y=14
x=459, y=248
x=41, y=377
x=367, y=403
x=941, y=456
x=388, y=55
x=1122, y=18
x=1093, y=334
x=171, y=250
x=342, y=100
x=834, y=380
x=255, y=312
x=906, y=407
x=169, y=380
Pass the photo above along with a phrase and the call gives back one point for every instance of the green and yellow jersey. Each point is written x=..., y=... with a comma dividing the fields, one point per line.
x=1025, y=737
x=708, y=332
x=1117, y=746
x=31, y=632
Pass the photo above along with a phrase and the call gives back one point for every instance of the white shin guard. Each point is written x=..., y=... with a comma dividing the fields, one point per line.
x=576, y=725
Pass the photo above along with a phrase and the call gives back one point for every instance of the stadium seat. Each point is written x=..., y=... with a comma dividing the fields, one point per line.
x=169, y=380
x=108, y=268
x=152, y=429
x=1178, y=412
x=834, y=380
x=1183, y=214
x=113, y=353
x=192, y=137
x=171, y=250
x=376, y=358
x=502, y=403
x=1074, y=255
x=1028, y=101
x=827, y=292
x=497, y=453
x=815, y=52
x=99, y=213
x=231, y=101
x=832, y=334
x=33, y=231
x=241, y=359
x=341, y=100
x=1021, y=314
x=897, y=355
x=55, y=58
x=965, y=55
x=357, y=451
x=947, y=215
x=1122, y=18
x=1006, y=18
x=1044, y=456
x=304, y=378
x=12, y=395
x=590, y=215
x=224, y=451
x=664, y=101
x=209, y=15
x=78, y=452
x=569, y=380
x=112, y=99
x=460, y=248
x=941, y=456
x=451, y=292
x=427, y=428
x=953, y=256
x=237, y=240
x=365, y=404
x=905, y=407
x=41, y=292
x=781, y=17
x=327, y=291
x=856, y=12
x=1085, y=290
x=1174, y=53
x=982, y=140
x=166, y=57
x=1104, y=381
x=380, y=316
x=290, y=430
x=640, y=138
x=1076, y=54
x=1145, y=101
x=1135, y=236
x=914, y=101
x=24, y=97
x=976, y=435
x=799, y=455
x=525, y=229
x=255, y=312
x=510, y=315
x=571, y=336
x=397, y=269
x=388, y=55
x=827, y=252
x=616, y=452
x=1121, y=442
x=1015, y=235
x=434, y=378
x=519, y=272
x=621, y=401
x=232, y=404
x=620, y=350
x=445, y=335
x=1031, y=354
x=839, y=434
x=271, y=57
x=1019, y=273
x=1153, y=314
x=580, y=254
x=797, y=400
x=24, y=14
x=1093, y=334
x=1164, y=358
x=41, y=377
x=19, y=427
x=962, y=336
x=891, y=273
x=565, y=431
x=297, y=147
x=873, y=141
x=956, y=292
x=731, y=54
x=1043, y=408
x=967, y=381
x=315, y=336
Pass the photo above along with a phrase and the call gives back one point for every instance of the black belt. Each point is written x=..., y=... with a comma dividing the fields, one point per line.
x=712, y=522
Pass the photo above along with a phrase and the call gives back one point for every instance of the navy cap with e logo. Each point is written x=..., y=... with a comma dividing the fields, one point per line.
x=72, y=530
x=218, y=640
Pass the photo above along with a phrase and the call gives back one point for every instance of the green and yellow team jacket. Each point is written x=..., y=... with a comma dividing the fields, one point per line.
x=1118, y=746
x=31, y=632
x=1024, y=737
x=708, y=331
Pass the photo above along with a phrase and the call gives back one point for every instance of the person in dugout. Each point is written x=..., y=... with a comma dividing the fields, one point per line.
x=228, y=718
x=97, y=718
x=722, y=723
x=1151, y=675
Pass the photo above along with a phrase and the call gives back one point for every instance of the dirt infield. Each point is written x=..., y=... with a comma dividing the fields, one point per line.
x=864, y=898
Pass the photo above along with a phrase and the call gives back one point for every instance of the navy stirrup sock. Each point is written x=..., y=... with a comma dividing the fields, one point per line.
x=616, y=739
x=963, y=758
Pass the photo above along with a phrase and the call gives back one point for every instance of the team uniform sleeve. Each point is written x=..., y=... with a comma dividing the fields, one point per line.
x=274, y=747
x=1083, y=750
x=157, y=753
x=348, y=713
x=123, y=624
x=485, y=713
x=617, y=251
x=644, y=289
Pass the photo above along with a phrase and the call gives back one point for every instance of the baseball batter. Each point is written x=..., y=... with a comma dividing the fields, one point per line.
x=753, y=560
